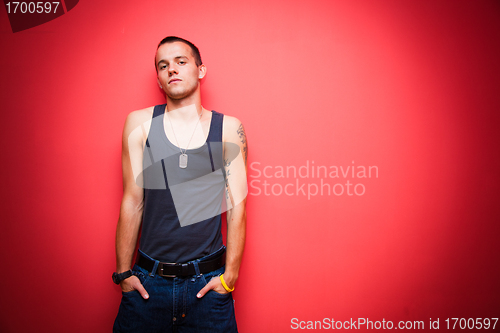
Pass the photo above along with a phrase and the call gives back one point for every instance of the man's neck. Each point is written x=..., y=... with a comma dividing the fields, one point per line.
x=185, y=114
x=185, y=110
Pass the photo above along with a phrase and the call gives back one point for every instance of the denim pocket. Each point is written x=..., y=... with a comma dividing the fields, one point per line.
x=143, y=277
x=214, y=274
x=142, y=274
x=128, y=293
x=216, y=293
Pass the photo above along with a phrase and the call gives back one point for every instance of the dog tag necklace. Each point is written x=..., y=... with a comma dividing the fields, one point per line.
x=183, y=158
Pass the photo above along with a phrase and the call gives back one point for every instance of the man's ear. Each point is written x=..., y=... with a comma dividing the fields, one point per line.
x=202, y=71
x=159, y=84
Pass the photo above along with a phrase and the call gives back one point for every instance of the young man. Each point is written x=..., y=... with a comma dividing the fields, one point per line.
x=182, y=167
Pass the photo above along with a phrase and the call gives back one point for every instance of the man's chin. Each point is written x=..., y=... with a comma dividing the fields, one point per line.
x=178, y=95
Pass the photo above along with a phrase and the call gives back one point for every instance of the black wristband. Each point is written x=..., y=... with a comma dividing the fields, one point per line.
x=117, y=278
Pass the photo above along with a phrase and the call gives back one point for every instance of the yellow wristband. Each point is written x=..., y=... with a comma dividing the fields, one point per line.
x=224, y=284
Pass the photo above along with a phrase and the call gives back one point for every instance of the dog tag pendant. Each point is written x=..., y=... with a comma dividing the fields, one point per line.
x=183, y=161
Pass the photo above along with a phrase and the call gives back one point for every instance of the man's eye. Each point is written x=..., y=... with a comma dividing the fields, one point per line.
x=163, y=67
x=182, y=62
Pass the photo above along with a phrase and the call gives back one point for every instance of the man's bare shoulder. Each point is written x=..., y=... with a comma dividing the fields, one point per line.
x=140, y=116
x=137, y=118
x=231, y=126
x=137, y=125
x=231, y=121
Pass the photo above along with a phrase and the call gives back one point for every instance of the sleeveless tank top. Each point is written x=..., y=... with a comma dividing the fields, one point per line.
x=182, y=207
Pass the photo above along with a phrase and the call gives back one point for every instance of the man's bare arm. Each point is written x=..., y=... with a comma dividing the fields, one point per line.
x=131, y=209
x=235, y=156
x=236, y=183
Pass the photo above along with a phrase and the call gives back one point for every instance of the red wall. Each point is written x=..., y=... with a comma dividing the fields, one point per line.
x=410, y=87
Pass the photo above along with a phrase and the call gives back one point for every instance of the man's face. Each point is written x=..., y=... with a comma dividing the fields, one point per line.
x=178, y=74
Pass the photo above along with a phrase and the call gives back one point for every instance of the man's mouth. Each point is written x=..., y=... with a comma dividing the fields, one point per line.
x=174, y=80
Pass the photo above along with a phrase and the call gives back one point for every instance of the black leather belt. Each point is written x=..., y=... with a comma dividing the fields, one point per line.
x=167, y=269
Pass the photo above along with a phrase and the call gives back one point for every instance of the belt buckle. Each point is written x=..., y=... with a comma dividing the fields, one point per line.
x=161, y=269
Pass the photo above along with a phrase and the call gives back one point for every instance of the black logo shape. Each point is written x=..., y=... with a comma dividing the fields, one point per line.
x=28, y=14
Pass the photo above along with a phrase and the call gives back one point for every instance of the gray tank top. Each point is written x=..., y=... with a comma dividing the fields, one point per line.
x=182, y=207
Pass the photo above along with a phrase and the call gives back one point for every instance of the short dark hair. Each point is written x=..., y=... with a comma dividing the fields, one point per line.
x=194, y=49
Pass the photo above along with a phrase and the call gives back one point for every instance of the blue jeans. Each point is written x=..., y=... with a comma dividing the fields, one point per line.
x=173, y=306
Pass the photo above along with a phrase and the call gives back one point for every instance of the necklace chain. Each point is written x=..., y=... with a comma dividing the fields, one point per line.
x=175, y=137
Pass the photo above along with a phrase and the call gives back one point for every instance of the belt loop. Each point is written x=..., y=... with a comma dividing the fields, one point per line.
x=196, y=268
x=155, y=268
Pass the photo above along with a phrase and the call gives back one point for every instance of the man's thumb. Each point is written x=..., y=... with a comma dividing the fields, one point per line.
x=203, y=291
x=142, y=291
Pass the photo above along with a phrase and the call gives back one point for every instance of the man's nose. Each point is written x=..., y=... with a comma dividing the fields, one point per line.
x=172, y=69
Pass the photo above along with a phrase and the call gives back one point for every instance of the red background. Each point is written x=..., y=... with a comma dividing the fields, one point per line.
x=408, y=86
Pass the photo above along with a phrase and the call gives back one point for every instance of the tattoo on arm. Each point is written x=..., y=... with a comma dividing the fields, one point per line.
x=226, y=180
x=243, y=139
x=227, y=162
x=227, y=172
x=241, y=134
